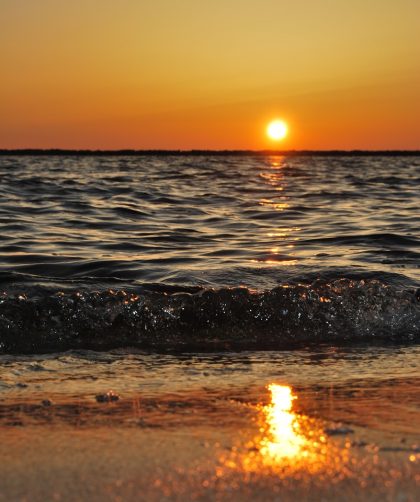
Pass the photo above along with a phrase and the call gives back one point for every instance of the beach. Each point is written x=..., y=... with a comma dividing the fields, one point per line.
x=254, y=425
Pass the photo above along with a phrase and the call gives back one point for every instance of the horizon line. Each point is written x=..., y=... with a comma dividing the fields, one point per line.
x=134, y=152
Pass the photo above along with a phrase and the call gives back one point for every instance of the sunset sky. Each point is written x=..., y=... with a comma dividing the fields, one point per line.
x=190, y=74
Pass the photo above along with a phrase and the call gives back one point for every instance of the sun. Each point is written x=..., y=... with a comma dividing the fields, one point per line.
x=277, y=130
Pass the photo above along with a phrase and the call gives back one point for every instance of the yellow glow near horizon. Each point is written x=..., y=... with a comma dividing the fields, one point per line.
x=277, y=130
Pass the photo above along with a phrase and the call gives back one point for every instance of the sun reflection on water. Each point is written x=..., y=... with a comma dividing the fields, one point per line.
x=283, y=439
x=287, y=443
x=281, y=238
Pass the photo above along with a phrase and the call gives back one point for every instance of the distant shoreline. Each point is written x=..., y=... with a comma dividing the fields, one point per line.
x=305, y=153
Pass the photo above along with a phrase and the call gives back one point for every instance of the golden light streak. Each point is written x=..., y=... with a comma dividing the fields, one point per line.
x=283, y=439
x=287, y=445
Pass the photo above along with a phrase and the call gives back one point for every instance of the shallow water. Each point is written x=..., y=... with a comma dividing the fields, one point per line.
x=331, y=382
x=323, y=249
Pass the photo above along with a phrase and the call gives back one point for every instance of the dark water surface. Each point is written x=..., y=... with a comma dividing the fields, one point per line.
x=202, y=250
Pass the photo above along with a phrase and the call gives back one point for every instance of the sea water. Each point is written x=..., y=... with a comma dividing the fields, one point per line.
x=175, y=251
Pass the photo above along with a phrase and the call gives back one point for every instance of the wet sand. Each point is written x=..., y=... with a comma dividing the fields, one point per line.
x=211, y=427
x=121, y=464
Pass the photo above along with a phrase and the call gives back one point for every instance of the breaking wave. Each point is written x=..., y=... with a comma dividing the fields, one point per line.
x=338, y=311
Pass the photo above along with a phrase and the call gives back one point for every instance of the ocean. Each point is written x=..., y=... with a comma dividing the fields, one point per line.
x=187, y=251
x=187, y=326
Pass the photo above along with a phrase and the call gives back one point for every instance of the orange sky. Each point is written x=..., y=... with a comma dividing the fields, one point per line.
x=189, y=74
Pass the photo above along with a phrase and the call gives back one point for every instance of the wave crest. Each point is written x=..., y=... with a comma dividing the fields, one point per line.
x=340, y=311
